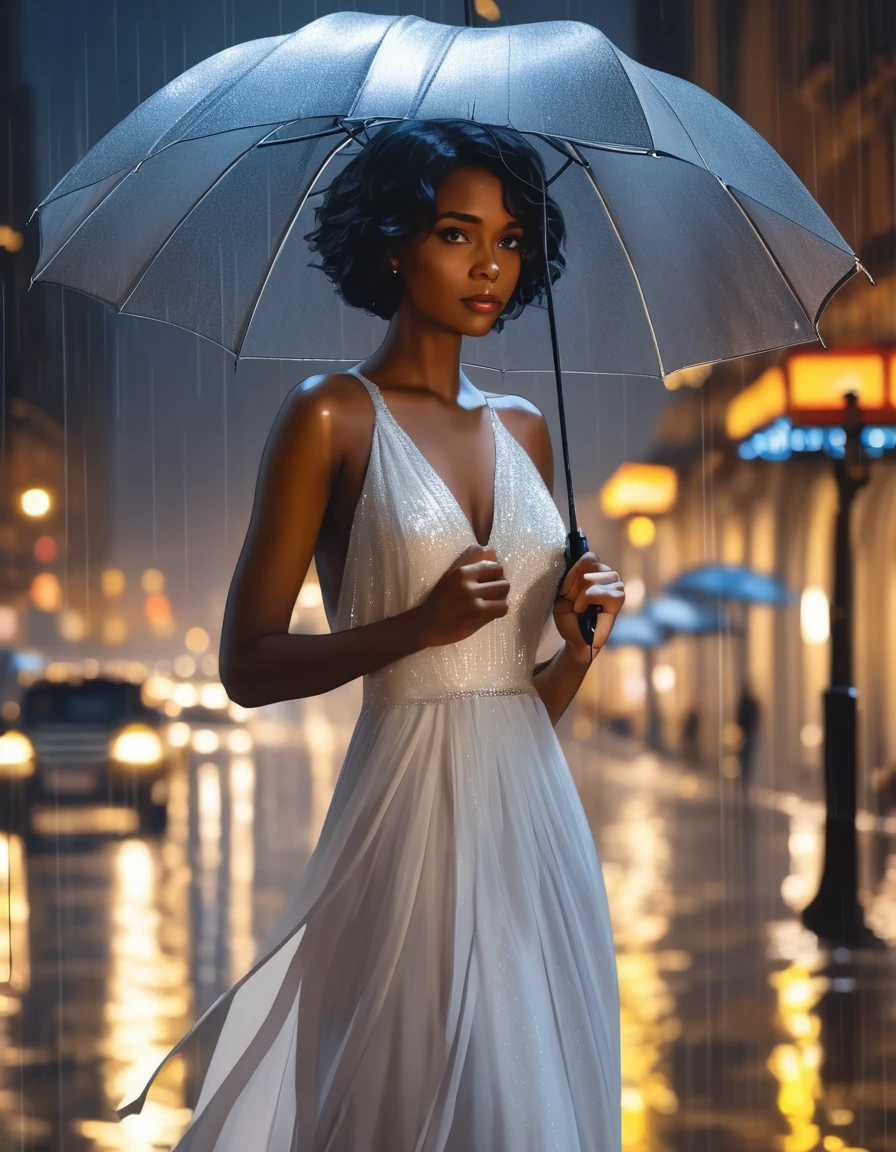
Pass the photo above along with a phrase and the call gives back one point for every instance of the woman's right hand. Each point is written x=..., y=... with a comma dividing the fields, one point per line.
x=471, y=593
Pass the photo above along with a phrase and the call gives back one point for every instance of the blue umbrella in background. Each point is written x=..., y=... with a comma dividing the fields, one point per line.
x=688, y=617
x=731, y=582
x=637, y=631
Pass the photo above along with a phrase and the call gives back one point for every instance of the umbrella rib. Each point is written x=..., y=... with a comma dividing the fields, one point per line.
x=280, y=246
x=634, y=90
x=772, y=256
x=679, y=119
x=594, y=184
x=188, y=213
x=203, y=106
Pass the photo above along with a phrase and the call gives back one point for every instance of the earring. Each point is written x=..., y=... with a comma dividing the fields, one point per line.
x=394, y=269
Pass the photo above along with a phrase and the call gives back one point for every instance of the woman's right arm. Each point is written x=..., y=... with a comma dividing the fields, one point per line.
x=260, y=661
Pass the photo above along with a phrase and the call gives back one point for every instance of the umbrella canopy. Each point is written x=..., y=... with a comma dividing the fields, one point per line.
x=637, y=631
x=689, y=238
x=733, y=583
x=686, y=617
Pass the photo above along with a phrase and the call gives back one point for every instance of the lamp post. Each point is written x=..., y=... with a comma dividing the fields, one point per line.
x=835, y=913
x=814, y=389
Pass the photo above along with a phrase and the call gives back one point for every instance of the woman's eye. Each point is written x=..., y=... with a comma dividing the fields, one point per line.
x=449, y=234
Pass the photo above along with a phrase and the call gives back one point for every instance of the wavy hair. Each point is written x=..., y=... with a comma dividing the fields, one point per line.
x=383, y=193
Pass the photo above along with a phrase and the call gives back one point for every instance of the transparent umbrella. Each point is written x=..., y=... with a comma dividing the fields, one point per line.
x=690, y=240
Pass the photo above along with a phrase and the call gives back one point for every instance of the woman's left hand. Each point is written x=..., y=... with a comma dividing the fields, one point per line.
x=588, y=582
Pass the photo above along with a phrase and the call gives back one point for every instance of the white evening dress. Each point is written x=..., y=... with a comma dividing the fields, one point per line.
x=443, y=978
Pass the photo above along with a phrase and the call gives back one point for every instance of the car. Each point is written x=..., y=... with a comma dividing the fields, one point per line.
x=86, y=755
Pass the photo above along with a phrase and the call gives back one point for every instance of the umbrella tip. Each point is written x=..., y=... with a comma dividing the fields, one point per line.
x=862, y=267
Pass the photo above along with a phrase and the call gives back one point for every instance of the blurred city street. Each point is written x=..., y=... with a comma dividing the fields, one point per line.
x=738, y=1032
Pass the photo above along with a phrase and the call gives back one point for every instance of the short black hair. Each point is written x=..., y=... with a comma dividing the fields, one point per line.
x=380, y=196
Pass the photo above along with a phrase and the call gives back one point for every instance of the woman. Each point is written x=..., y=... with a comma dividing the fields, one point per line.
x=443, y=978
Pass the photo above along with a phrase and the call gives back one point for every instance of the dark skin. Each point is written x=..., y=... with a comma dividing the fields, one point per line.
x=316, y=457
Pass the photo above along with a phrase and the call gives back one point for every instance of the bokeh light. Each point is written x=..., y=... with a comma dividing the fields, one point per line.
x=36, y=502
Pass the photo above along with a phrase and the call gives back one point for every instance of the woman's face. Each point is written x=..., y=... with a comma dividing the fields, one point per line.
x=472, y=250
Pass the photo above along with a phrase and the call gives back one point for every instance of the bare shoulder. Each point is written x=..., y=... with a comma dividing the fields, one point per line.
x=326, y=394
x=330, y=407
x=526, y=423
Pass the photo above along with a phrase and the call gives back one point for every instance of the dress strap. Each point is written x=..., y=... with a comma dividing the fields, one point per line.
x=375, y=395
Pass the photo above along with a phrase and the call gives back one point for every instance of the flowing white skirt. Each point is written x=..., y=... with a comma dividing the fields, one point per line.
x=443, y=978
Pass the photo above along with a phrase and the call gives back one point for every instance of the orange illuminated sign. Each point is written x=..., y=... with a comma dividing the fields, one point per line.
x=823, y=381
x=811, y=388
x=646, y=489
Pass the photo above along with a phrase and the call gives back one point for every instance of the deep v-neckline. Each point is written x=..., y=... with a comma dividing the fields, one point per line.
x=418, y=455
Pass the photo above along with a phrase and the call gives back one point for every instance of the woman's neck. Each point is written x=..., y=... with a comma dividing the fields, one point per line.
x=418, y=354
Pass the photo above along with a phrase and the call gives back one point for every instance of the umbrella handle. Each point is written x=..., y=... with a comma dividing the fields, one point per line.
x=576, y=547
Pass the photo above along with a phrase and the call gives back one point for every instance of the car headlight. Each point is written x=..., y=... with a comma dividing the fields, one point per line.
x=137, y=746
x=16, y=756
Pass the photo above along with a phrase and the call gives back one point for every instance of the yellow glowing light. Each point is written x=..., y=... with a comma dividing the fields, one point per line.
x=663, y=678
x=239, y=742
x=184, y=665
x=71, y=625
x=693, y=377
x=113, y=583
x=488, y=10
x=815, y=616
x=46, y=595
x=11, y=239
x=115, y=630
x=158, y=613
x=157, y=689
x=310, y=595
x=196, y=639
x=16, y=755
x=179, y=734
x=185, y=695
x=81, y=819
x=649, y=489
x=821, y=381
x=9, y=623
x=759, y=404
x=641, y=532
x=152, y=581
x=205, y=741
x=35, y=502
x=212, y=695
x=137, y=746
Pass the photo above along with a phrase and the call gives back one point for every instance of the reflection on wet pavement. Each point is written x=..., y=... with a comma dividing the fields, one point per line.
x=738, y=1032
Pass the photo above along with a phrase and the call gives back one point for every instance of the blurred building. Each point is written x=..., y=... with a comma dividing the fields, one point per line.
x=53, y=431
x=818, y=81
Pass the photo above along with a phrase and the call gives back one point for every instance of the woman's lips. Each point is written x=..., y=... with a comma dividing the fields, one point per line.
x=480, y=305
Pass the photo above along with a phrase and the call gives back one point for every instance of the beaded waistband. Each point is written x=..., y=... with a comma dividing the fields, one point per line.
x=383, y=702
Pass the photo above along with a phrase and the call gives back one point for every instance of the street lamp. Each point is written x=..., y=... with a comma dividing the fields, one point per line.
x=835, y=911
x=791, y=408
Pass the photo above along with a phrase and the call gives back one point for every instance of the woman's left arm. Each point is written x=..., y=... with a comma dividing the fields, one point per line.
x=587, y=582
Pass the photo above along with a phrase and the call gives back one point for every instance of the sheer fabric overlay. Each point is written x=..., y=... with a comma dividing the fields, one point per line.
x=443, y=977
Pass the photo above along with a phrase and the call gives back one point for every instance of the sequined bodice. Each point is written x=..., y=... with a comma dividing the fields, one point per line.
x=408, y=529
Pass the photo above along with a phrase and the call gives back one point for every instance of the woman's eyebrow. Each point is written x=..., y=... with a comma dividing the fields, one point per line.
x=474, y=219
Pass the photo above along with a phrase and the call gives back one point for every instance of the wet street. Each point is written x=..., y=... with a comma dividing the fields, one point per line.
x=739, y=1034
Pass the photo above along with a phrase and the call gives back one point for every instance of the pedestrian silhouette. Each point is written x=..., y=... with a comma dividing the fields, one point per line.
x=748, y=722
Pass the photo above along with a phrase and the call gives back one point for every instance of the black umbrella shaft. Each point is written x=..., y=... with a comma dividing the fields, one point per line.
x=555, y=352
x=468, y=13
